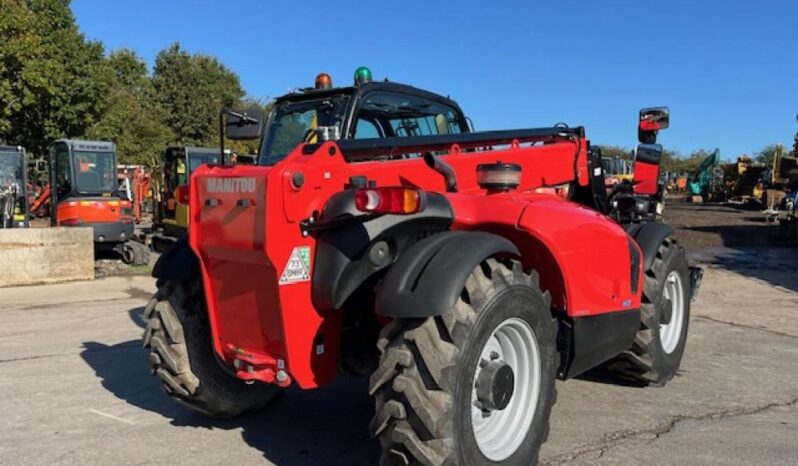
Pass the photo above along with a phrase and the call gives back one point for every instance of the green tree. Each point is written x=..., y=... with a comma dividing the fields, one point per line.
x=615, y=151
x=133, y=118
x=52, y=81
x=20, y=47
x=192, y=90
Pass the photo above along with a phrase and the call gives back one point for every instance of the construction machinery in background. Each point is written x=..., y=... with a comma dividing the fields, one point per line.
x=743, y=182
x=134, y=185
x=617, y=169
x=706, y=183
x=170, y=216
x=85, y=192
x=785, y=172
x=13, y=187
x=377, y=235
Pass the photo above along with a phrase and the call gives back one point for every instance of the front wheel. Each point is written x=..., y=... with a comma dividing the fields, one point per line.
x=474, y=386
x=657, y=351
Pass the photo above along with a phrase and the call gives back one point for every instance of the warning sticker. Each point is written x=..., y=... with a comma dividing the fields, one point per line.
x=298, y=267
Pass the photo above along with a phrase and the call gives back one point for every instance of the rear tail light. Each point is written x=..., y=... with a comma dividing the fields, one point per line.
x=393, y=200
x=181, y=194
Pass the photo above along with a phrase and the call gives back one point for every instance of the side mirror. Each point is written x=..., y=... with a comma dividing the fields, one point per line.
x=41, y=166
x=651, y=121
x=242, y=124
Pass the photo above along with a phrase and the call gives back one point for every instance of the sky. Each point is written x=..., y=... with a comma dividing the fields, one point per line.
x=728, y=70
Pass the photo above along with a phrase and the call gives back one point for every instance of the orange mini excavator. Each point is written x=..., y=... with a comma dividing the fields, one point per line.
x=85, y=192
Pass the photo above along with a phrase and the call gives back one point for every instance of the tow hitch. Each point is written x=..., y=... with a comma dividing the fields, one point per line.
x=251, y=366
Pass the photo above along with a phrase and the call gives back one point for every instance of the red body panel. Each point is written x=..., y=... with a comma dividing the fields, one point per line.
x=582, y=256
x=246, y=224
x=92, y=210
x=646, y=177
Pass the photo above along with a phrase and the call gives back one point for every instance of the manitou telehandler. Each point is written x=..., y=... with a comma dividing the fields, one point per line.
x=378, y=236
x=13, y=187
x=85, y=192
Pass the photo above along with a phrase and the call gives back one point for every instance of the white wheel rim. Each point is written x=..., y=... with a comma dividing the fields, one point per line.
x=670, y=333
x=500, y=434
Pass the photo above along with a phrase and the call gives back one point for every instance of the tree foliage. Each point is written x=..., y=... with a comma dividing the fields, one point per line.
x=192, y=89
x=133, y=117
x=53, y=81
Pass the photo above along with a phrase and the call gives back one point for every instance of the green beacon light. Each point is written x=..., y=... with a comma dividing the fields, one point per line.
x=362, y=76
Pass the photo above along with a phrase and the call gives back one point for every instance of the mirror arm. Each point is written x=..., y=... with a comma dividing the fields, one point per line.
x=222, y=134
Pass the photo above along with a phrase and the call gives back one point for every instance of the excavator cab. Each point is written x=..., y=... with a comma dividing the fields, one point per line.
x=13, y=187
x=85, y=192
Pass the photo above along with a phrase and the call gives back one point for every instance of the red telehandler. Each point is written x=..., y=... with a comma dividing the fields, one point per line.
x=378, y=236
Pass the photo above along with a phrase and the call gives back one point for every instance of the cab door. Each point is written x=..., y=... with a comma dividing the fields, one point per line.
x=61, y=179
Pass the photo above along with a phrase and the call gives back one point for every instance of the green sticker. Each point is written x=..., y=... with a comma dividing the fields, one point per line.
x=298, y=267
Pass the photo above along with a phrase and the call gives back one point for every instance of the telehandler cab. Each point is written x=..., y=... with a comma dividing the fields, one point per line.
x=378, y=236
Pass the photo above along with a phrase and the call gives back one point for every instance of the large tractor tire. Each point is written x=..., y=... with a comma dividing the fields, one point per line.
x=474, y=386
x=181, y=355
x=658, y=347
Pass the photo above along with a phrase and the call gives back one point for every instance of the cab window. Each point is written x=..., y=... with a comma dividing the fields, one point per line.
x=404, y=115
x=366, y=129
x=62, y=172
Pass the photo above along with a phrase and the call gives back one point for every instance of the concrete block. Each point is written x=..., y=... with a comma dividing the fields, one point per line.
x=46, y=255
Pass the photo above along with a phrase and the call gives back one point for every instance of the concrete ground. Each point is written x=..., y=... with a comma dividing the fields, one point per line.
x=75, y=387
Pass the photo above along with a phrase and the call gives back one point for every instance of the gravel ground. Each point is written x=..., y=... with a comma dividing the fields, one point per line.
x=719, y=225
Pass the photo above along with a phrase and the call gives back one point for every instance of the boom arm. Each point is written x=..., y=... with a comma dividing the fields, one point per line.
x=701, y=178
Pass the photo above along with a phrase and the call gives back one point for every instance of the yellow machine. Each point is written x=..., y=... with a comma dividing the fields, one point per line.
x=742, y=180
x=617, y=169
x=171, y=215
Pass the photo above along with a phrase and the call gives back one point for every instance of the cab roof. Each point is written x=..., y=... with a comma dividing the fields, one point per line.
x=13, y=149
x=195, y=150
x=312, y=94
x=78, y=144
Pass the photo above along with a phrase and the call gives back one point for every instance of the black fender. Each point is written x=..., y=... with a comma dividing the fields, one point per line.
x=429, y=277
x=178, y=263
x=353, y=250
x=649, y=236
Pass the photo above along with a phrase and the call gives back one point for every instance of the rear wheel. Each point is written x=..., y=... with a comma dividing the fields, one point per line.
x=181, y=355
x=659, y=345
x=474, y=386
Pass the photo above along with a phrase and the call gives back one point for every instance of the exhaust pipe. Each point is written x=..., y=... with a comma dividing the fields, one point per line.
x=444, y=169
